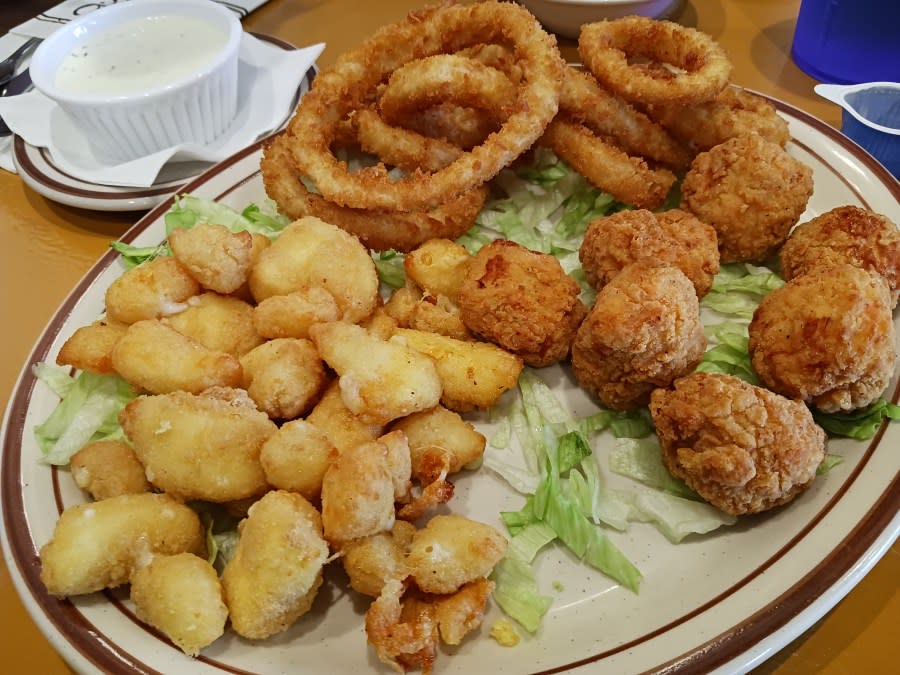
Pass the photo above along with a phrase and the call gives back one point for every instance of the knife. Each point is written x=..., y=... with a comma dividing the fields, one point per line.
x=17, y=85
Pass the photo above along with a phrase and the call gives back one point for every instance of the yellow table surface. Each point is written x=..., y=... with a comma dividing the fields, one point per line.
x=47, y=247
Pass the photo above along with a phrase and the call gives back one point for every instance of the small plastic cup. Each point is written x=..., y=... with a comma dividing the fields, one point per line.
x=870, y=116
x=848, y=41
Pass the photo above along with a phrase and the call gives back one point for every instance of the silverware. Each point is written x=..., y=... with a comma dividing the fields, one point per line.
x=10, y=64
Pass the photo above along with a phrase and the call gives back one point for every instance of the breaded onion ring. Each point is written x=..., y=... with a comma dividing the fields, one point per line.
x=401, y=147
x=701, y=67
x=608, y=115
x=377, y=230
x=445, y=77
x=626, y=178
x=463, y=127
x=352, y=80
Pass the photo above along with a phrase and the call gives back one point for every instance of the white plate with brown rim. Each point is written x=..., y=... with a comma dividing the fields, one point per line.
x=719, y=602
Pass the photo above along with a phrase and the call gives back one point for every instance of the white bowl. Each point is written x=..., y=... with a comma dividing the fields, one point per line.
x=187, y=93
x=565, y=17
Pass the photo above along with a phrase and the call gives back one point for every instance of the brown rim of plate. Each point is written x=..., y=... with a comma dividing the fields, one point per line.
x=25, y=162
x=96, y=648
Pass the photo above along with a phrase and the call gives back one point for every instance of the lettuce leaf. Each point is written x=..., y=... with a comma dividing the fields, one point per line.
x=738, y=288
x=859, y=424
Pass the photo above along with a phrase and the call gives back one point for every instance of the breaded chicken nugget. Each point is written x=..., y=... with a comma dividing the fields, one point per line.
x=752, y=191
x=216, y=257
x=108, y=469
x=827, y=338
x=380, y=380
x=744, y=449
x=675, y=237
x=156, y=288
x=90, y=347
x=522, y=301
x=100, y=544
x=154, y=357
x=643, y=331
x=846, y=234
x=276, y=570
x=284, y=377
x=218, y=322
x=451, y=551
x=200, y=447
x=181, y=596
x=311, y=252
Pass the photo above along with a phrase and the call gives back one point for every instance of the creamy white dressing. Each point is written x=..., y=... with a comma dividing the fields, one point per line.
x=141, y=54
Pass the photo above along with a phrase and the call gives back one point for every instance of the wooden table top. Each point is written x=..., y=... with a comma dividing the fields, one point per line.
x=47, y=247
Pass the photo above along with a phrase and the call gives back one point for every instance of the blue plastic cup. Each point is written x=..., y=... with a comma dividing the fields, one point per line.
x=848, y=41
x=870, y=115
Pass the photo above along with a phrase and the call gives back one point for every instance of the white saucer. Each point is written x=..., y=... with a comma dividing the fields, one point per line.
x=41, y=173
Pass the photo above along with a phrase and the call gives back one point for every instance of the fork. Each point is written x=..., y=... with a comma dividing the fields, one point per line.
x=9, y=65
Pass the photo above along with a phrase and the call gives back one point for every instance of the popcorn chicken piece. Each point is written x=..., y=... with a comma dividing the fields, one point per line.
x=438, y=266
x=276, y=570
x=181, y=596
x=291, y=315
x=379, y=380
x=108, y=469
x=156, y=288
x=311, y=252
x=200, y=447
x=100, y=544
x=90, y=347
x=214, y=255
x=358, y=494
x=343, y=429
x=296, y=457
x=283, y=376
x=218, y=322
x=473, y=374
x=157, y=358
x=440, y=440
x=451, y=551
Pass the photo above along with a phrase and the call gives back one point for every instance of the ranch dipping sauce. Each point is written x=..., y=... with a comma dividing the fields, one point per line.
x=140, y=55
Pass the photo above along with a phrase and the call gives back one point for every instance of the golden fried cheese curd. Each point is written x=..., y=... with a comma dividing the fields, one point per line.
x=370, y=561
x=276, y=570
x=333, y=418
x=827, y=338
x=155, y=288
x=380, y=380
x=216, y=257
x=743, y=448
x=522, y=301
x=108, y=468
x=284, y=377
x=311, y=252
x=751, y=191
x=181, y=596
x=90, y=347
x=100, y=544
x=643, y=331
x=675, y=237
x=846, y=234
x=291, y=315
x=296, y=457
x=451, y=551
x=200, y=446
x=218, y=322
x=156, y=358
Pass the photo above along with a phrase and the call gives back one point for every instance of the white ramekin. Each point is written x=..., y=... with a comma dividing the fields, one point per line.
x=197, y=108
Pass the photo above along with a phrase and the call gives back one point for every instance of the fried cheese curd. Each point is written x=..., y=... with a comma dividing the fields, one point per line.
x=296, y=457
x=675, y=237
x=751, y=191
x=276, y=570
x=222, y=323
x=522, y=301
x=90, y=347
x=153, y=289
x=108, y=468
x=181, y=595
x=743, y=448
x=846, y=234
x=284, y=377
x=100, y=544
x=200, y=446
x=216, y=257
x=827, y=338
x=643, y=331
